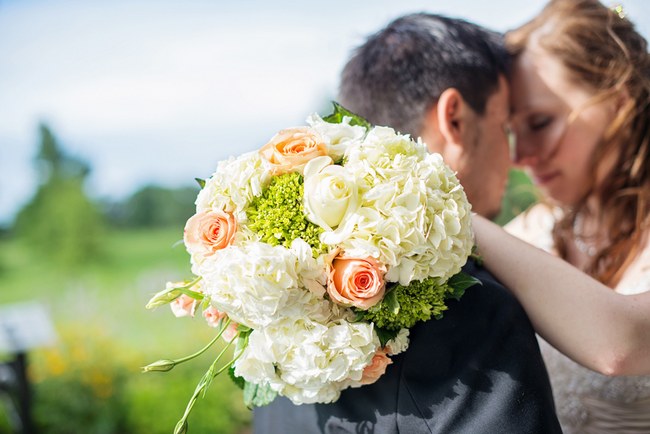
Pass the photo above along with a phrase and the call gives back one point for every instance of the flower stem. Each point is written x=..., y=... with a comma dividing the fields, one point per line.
x=168, y=365
x=204, y=349
x=181, y=426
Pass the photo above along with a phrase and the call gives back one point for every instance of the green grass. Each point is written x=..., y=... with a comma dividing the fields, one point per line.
x=99, y=310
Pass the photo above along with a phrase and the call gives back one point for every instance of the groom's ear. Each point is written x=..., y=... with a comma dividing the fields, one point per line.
x=451, y=113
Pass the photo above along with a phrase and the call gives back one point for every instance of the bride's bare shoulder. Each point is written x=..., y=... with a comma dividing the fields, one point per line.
x=535, y=225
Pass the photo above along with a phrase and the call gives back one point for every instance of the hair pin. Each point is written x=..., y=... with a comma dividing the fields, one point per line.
x=618, y=10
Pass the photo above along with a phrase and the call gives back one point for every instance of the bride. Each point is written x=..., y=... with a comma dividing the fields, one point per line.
x=581, y=112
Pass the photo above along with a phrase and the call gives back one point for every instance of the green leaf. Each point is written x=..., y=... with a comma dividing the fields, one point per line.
x=205, y=303
x=200, y=181
x=359, y=315
x=258, y=396
x=243, y=330
x=341, y=112
x=239, y=381
x=460, y=282
x=195, y=295
x=385, y=335
x=391, y=302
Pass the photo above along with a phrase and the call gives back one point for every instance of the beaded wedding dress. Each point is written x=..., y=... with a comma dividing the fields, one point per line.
x=588, y=402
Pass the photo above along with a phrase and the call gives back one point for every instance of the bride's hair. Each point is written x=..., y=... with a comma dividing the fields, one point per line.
x=399, y=73
x=603, y=52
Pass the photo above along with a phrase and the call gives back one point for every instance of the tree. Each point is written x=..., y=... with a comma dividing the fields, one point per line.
x=60, y=223
x=154, y=206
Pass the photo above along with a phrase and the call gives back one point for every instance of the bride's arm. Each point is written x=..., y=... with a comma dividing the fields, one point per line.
x=587, y=321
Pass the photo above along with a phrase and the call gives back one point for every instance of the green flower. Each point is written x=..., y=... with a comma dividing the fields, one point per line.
x=278, y=217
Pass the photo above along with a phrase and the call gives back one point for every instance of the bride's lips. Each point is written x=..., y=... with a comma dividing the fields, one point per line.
x=545, y=178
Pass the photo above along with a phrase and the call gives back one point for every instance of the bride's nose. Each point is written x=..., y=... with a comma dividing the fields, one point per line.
x=525, y=153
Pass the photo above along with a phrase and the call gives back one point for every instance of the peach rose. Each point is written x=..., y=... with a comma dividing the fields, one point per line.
x=290, y=149
x=209, y=231
x=213, y=316
x=356, y=282
x=184, y=305
x=376, y=368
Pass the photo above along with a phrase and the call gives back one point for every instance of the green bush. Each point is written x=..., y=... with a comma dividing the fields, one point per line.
x=79, y=384
x=92, y=383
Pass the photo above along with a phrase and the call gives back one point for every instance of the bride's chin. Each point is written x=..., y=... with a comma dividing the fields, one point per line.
x=561, y=197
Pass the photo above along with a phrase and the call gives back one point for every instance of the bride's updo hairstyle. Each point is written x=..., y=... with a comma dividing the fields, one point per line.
x=602, y=52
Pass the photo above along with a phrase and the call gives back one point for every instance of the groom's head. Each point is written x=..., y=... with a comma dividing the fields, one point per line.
x=444, y=80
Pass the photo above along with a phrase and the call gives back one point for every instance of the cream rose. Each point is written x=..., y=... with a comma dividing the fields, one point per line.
x=356, y=282
x=290, y=149
x=209, y=231
x=330, y=193
x=376, y=368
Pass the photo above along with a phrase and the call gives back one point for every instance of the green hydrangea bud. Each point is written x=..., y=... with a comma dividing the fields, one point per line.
x=419, y=301
x=278, y=216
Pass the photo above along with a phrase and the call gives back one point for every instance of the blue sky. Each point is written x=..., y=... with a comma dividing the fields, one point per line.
x=159, y=91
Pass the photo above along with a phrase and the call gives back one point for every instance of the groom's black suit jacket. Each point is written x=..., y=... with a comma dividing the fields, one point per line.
x=477, y=370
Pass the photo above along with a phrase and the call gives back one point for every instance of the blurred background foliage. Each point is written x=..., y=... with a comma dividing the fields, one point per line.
x=95, y=264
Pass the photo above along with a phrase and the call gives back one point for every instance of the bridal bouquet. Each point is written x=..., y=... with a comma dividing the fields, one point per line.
x=315, y=255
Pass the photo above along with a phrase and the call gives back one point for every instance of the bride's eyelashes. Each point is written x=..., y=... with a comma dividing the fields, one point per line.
x=538, y=122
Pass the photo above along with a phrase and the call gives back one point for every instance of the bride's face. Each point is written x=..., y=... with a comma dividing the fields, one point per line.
x=558, y=126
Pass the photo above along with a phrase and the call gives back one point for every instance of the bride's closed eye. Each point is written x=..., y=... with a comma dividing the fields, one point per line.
x=538, y=122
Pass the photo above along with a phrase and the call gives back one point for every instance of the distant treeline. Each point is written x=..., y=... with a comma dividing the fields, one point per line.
x=152, y=206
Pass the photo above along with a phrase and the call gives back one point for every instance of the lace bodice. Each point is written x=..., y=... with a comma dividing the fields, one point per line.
x=581, y=395
x=574, y=387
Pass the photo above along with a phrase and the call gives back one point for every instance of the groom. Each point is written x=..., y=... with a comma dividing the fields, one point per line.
x=477, y=370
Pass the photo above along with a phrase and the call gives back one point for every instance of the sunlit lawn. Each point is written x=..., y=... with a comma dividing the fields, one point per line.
x=98, y=311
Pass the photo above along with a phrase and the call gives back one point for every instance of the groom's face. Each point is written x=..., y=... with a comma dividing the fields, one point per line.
x=485, y=170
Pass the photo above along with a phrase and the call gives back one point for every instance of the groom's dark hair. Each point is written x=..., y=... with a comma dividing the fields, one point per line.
x=399, y=73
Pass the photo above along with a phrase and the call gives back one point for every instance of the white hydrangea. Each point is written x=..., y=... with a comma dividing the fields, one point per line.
x=382, y=146
x=337, y=136
x=256, y=283
x=235, y=183
x=308, y=361
x=399, y=343
x=312, y=273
